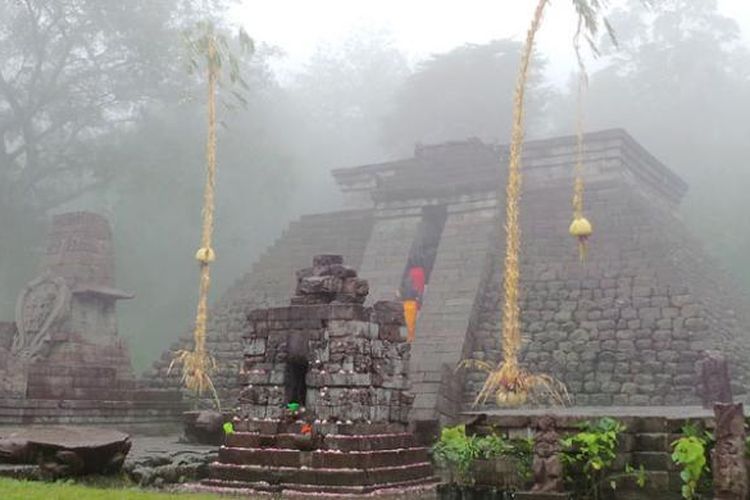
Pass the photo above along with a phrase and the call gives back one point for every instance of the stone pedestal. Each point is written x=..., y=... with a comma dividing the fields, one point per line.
x=326, y=400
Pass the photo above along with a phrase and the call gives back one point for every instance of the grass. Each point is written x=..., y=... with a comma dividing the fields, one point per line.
x=11, y=489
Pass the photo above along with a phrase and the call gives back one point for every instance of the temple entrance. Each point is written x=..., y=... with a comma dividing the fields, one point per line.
x=295, y=383
x=424, y=247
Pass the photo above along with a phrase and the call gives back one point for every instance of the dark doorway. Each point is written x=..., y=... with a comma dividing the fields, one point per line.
x=425, y=245
x=295, y=383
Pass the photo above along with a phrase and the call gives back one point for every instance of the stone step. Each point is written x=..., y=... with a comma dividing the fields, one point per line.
x=659, y=485
x=652, y=460
x=322, y=459
x=411, y=489
x=330, y=442
x=325, y=477
x=652, y=441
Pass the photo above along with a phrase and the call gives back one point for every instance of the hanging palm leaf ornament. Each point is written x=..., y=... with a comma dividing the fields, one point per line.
x=507, y=383
x=208, y=48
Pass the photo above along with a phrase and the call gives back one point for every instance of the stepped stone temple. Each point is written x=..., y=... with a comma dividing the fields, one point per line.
x=631, y=326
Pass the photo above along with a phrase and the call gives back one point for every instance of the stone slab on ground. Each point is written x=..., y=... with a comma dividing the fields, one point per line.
x=65, y=450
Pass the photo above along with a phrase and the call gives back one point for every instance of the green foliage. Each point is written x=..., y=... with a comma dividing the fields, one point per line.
x=689, y=453
x=457, y=452
x=639, y=474
x=594, y=447
x=210, y=48
x=588, y=457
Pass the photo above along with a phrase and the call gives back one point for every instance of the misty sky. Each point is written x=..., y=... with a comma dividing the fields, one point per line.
x=422, y=27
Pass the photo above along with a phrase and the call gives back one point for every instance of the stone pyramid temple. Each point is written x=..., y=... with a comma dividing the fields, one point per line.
x=629, y=326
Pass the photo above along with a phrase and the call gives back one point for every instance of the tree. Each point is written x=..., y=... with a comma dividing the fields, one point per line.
x=73, y=73
x=342, y=95
x=676, y=82
x=467, y=92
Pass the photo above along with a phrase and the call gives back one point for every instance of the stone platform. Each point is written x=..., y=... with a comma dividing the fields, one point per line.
x=340, y=460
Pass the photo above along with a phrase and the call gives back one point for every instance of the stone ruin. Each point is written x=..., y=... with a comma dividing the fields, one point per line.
x=630, y=327
x=62, y=361
x=325, y=395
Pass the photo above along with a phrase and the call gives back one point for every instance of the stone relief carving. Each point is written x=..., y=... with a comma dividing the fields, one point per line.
x=43, y=304
x=547, y=467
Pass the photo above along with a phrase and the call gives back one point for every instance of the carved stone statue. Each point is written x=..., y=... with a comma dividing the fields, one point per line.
x=44, y=304
x=728, y=455
x=547, y=467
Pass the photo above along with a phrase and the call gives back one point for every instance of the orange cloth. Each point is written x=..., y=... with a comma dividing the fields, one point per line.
x=411, y=307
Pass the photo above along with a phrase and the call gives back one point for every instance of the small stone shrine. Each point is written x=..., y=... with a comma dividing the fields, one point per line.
x=63, y=360
x=325, y=402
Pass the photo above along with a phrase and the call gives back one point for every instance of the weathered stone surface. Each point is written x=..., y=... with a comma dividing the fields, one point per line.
x=547, y=465
x=204, y=427
x=728, y=455
x=715, y=382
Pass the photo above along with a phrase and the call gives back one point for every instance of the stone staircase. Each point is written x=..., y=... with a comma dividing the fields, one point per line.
x=350, y=460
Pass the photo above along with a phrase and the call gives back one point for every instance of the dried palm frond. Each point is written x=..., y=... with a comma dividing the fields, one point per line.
x=510, y=385
x=197, y=367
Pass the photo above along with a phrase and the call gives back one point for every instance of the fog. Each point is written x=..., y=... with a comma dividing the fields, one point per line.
x=97, y=112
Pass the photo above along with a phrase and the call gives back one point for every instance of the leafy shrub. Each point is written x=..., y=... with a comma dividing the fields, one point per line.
x=457, y=452
x=588, y=457
x=690, y=453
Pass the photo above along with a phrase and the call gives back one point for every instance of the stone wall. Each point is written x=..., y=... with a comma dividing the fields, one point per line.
x=629, y=325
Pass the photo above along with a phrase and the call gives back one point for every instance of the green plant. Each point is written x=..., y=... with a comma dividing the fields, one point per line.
x=589, y=455
x=457, y=452
x=689, y=453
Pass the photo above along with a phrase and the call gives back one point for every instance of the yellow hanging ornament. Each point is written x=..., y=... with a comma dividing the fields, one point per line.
x=205, y=255
x=581, y=228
